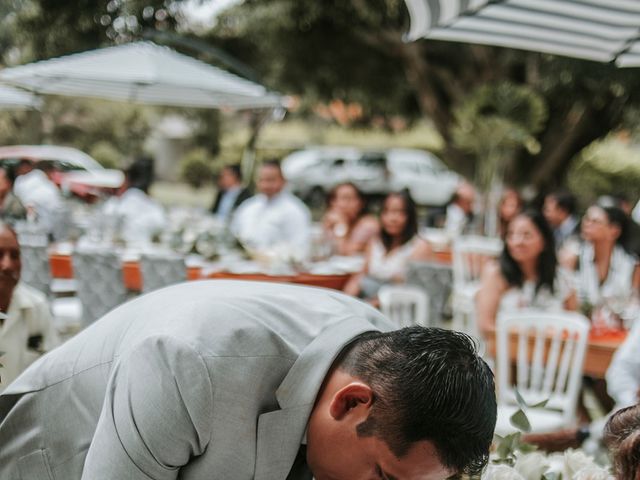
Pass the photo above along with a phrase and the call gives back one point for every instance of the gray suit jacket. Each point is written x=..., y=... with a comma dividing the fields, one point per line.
x=202, y=380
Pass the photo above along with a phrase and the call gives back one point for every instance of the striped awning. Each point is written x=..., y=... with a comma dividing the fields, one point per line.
x=141, y=72
x=599, y=30
x=14, y=99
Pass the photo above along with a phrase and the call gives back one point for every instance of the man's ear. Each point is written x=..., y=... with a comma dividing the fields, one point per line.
x=355, y=396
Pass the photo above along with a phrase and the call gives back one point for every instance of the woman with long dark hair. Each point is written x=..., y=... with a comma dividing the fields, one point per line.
x=526, y=275
x=388, y=253
x=347, y=222
x=608, y=272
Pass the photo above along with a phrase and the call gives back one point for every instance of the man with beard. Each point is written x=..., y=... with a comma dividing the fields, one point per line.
x=26, y=329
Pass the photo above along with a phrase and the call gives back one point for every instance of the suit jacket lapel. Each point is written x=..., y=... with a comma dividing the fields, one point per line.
x=280, y=432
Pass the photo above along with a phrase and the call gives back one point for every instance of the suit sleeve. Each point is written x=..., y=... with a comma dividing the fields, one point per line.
x=157, y=414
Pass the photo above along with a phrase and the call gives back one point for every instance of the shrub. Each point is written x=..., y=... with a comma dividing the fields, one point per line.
x=106, y=154
x=196, y=167
x=603, y=168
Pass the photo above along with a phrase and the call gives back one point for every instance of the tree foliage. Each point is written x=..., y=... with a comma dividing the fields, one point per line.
x=353, y=50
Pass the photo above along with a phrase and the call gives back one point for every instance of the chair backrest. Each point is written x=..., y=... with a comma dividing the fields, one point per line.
x=161, y=270
x=100, y=285
x=35, y=258
x=404, y=305
x=549, y=358
x=470, y=252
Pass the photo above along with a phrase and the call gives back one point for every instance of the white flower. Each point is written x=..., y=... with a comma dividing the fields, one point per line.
x=576, y=460
x=531, y=465
x=501, y=472
x=592, y=473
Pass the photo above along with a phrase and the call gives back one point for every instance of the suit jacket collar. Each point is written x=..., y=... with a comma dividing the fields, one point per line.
x=280, y=432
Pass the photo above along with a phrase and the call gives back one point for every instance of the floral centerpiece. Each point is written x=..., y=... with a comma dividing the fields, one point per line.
x=514, y=459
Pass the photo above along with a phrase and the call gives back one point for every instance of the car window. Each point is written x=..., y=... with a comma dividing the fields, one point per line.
x=372, y=160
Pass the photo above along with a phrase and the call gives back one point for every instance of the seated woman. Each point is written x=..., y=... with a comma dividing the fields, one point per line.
x=607, y=272
x=388, y=254
x=526, y=275
x=347, y=222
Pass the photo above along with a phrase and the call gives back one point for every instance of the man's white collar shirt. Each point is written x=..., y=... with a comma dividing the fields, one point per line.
x=141, y=217
x=280, y=221
x=28, y=316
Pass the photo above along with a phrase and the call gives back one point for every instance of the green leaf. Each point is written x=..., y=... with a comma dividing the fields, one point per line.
x=520, y=421
x=520, y=400
x=541, y=404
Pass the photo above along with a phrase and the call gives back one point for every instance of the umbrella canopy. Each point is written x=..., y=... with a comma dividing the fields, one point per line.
x=141, y=72
x=599, y=30
x=14, y=99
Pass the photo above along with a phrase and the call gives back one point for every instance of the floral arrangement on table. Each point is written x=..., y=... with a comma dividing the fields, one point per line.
x=206, y=236
x=514, y=459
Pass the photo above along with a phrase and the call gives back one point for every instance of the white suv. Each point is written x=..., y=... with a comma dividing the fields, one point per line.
x=314, y=171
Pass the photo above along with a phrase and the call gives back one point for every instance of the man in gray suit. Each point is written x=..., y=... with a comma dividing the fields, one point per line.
x=243, y=380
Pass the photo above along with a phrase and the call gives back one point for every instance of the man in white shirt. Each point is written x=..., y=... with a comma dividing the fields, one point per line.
x=37, y=192
x=26, y=329
x=460, y=210
x=274, y=217
x=140, y=217
x=623, y=375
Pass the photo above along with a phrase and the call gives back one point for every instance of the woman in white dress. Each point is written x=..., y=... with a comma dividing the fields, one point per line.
x=607, y=272
x=526, y=275
x=389, y=252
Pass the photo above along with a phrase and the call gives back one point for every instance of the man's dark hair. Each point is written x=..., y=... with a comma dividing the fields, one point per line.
x=10, y=173
x=411, y=227
x=622, y=438
x=140, y=173
x=235, y=170
x=273, y=163
x=547, y=260
x=565, y=200
x=429, y=384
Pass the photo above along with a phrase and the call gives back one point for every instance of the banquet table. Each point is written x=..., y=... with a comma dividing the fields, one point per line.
x=61, y=267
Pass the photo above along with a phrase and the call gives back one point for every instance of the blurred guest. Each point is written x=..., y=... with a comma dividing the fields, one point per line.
x=526, y=275
x=231, y=193
x=623, y=374
x=388, y=254
x=459, y=213
x=26, y=331
x=621, y=201
x=622, y=438
x=11, y=208
x=560, y=211
x=35, y=189
x=607, y=270
x=140, y=217
x=274, y=217
x=509, y=206
x=347, y=222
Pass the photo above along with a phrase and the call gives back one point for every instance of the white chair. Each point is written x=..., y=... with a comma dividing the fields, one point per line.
x=100, y=283
x=404, y=305
x=548, y=366
x=161, y=270
x=469, y=254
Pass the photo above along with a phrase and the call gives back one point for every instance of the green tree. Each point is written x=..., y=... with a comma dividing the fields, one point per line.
x=354, y=50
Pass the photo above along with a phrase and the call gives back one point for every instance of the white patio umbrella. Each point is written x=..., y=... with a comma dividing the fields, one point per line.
x=599, y=30
x=14, y=99
x=141, y=72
